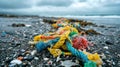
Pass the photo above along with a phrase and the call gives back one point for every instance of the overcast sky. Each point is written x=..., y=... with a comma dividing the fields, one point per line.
x=60, y=7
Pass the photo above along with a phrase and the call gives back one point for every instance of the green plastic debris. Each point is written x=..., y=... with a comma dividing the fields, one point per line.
x=72, y=33
x=90, y=64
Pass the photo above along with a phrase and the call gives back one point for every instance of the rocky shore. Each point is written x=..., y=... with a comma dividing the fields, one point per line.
x=15, y=33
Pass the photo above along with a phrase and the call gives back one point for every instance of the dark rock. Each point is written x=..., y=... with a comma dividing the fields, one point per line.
x=108, y=42
x=75, y=20
x=85, y=23
x=76, y=66
x=18, y=25
x=102, y=26
x=49, y=21
x=8, y=60
x=91, y=31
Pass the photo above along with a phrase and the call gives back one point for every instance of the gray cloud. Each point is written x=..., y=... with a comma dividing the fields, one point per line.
x=54, y=2
x=112, y=5
x=82, y=0
x=14, y=4
x=60, y=7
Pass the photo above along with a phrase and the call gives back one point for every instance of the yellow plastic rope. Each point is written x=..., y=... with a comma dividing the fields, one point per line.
x=74, y=29
x=57, y=52
x=37, y=38
x=62, y=40
x=66, y=53
x=64, y=47
x=94, y=57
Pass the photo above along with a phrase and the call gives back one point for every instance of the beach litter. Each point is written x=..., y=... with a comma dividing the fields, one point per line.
x=67, y=41
x=15, y=62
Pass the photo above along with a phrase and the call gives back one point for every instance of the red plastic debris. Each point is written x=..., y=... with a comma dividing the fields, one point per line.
x=80, y=43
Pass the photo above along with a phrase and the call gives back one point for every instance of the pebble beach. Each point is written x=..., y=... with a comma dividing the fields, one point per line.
x=14, y=42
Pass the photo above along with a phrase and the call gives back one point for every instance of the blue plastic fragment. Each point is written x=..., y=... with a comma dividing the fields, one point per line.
x=3, y=34
x=41, y=45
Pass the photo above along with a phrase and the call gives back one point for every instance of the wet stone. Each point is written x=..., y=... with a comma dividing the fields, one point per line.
x=18, y=25
x=108, y=42
x=28, y=58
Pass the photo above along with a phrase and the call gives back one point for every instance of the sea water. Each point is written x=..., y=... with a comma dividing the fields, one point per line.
x=109, y=20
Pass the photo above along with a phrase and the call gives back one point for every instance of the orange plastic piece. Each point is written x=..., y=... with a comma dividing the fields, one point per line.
x=20, y=58
x=47, y=37
x=43, y=38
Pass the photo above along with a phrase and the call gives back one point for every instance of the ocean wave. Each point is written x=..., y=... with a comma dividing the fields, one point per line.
x=110, y=16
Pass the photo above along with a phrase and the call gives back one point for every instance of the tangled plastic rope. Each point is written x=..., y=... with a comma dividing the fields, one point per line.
x=67, y=38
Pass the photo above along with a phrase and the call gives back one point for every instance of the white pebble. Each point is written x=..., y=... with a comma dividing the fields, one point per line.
x=36, y=58
x=46, y=59
x=33, y=52
x=58, y=58
x=16, y=61
x=105, y=47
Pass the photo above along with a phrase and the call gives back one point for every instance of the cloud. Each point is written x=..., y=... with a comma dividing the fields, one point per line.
x=54, y=2
x=14, y=4
x=60, y=7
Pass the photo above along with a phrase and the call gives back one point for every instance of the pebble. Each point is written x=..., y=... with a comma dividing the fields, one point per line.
x=28, y=58
x=27, y=25
x=46, y=59
x=31, y=43
x=108, y=42
x=17, y=25
x=118, y=55
x=105, y=47
x=58, y=58
x=16, y=61
x=10, y=48
x=36, y=58
x=49, y=62
x=8, y=59
x=33, y=52
x=68, y=63
x=76, y=61
x=42, y=22
x=103, y=56
x=113, y=63
x=107, y=52
x=22, y=50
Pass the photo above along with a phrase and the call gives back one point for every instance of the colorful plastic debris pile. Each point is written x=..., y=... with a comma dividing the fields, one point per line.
x=66, y=40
